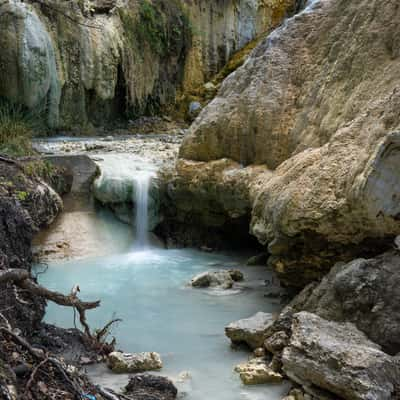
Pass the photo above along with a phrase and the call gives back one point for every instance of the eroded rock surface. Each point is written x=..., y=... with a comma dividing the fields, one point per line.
x=251, y=331
x=317, y=105
x=364, y=292
x=138, y=362
x=339, y=358
x=257, y=372
x=99, y=60
x=222, y=278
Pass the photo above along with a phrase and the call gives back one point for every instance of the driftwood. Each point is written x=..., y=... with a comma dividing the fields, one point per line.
x=22, y=279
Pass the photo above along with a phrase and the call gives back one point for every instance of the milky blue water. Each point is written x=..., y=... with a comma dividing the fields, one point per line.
x=160, y=312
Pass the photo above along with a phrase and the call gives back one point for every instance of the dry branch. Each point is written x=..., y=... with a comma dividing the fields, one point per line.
x=21, y=278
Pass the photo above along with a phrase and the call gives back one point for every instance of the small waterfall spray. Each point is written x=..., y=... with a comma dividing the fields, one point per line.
x=141, y=185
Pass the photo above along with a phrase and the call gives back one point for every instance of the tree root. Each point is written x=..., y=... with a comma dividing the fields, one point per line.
x=22, y=279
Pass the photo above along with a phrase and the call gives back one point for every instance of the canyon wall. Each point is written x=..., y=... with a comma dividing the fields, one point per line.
x=96, y=61
x=316, y=108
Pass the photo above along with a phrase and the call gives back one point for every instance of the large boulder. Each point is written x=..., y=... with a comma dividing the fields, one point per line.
x=129, y=363
x=364, y=292
x=339, y=358
x=315, y=105
x=251, y=331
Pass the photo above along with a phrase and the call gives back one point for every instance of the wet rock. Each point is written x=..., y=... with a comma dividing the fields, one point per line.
x=94, y=146
x=137, y=362
x=259, y=259
x=251, y=331
x=259, y=352
x=339, y=358
x=194, y=109
x=224, y=279
x=257, y=372
x=149, y=387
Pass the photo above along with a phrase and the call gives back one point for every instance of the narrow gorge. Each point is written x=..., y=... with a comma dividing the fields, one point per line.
x=199, y=199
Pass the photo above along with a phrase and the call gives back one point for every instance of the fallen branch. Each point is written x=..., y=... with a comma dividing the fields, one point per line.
x=38, y=353
x=102, y=333
x=34, y=372
x=21, y=278
x=62, y=300
x=110, y=394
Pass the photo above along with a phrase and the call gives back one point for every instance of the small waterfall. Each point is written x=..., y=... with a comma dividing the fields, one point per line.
x=141, y=184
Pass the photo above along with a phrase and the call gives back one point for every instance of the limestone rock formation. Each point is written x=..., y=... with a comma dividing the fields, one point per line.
x=117, y=187
x=222, y=278
x=251, y=331
x=128, y=363
x=257, y=372
x=364, y=292
x=316, y=104
x=92, y=61
x=339, y=358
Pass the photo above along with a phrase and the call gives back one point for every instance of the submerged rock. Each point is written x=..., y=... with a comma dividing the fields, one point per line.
x=339, y=358
x=259, y=259
x=137, y=362
x=251, y=331
x=222, y=278
x=257, y=372
x=149, y=387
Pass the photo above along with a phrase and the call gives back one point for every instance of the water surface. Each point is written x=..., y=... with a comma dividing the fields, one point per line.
x=148, y=290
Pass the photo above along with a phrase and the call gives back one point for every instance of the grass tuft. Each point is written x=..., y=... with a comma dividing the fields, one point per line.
x=17, y=126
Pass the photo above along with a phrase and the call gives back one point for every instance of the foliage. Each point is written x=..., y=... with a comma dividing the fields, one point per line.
x=17, y=125
x=163, y=26
x=150, y=28
x=40, y=168
x=22, y=195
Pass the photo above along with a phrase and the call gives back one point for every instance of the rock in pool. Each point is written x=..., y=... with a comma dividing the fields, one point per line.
x=223, y=278
x=148, y=387
x=130, y=363
x=252, y=331
x=257, y=372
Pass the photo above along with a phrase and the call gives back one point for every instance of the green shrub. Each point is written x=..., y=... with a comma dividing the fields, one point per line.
x=16, y=129
x=150, y=28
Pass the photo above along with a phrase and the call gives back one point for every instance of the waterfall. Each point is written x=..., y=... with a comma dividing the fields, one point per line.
x=141, y=185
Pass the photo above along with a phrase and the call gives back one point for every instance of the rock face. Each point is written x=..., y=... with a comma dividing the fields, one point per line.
x=96, y=60
x=251, y=331
x=26, y=204
x=130, y=363
x=364, y=292
x=339, y=358
x=224, y=279
x=316, y=104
